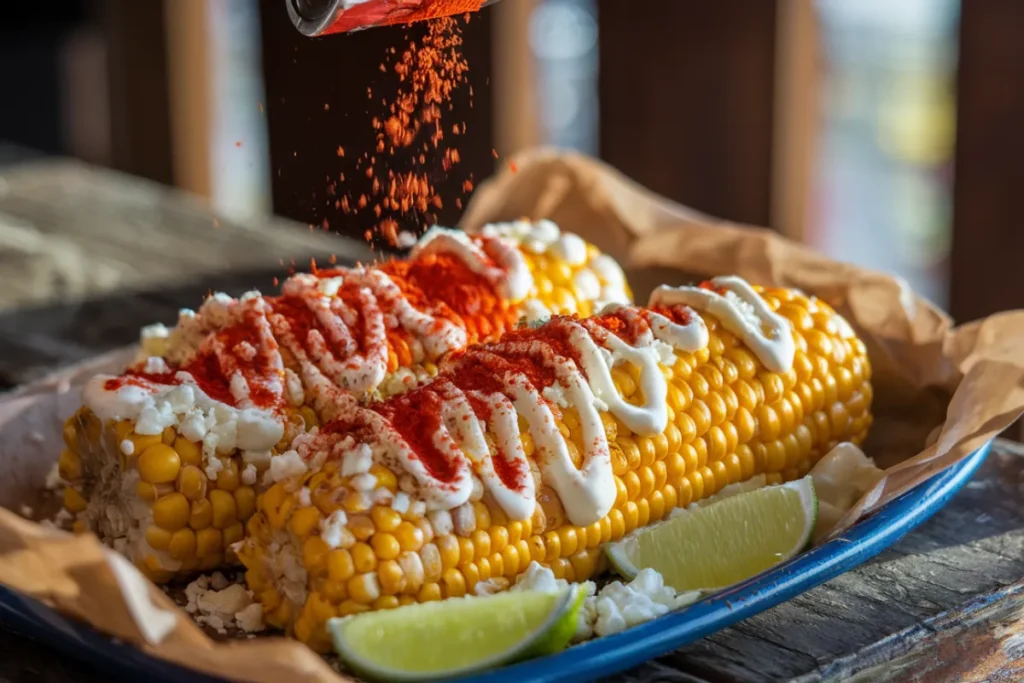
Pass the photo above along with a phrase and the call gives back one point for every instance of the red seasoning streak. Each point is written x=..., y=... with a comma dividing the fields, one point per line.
x=439, y=284
x=418, y=419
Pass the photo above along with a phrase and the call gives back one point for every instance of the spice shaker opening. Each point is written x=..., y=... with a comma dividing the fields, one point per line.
x=322, y=17
x=312, y=17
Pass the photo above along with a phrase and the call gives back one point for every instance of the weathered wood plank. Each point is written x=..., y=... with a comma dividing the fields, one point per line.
x=70, y=231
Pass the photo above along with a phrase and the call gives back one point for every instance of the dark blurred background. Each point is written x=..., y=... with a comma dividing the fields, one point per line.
x=884, y=132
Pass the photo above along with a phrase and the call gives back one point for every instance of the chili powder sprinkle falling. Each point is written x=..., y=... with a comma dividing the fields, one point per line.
x=411, y=129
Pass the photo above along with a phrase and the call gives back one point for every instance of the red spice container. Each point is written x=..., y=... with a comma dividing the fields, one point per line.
x=323, y=17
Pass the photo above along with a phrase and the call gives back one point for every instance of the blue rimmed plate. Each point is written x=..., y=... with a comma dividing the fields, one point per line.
x=596, y=658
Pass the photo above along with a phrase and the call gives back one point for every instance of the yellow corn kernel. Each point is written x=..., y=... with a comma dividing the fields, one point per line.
x=314, y=555
x=409, y=536
x=172, y=512
x=340, y=566
x=168, y=435
x=69, y=466
x=429, y=592
x=335, y=591
x=304, y=521
x=392, y=578
x=158, y=538
x=385, y=478
x=245, y=502
x=309, y=417
x=74, y=501
x=192, y=482
x=144, y=491
x=224, y=511
x=189, y=452
x=140, y=442
x=364, y=588
x=385, y=546
x=385, y=518
x=361, y=526
x=233, y=534
x=453, y=583
x=228, y=478
x=182, y=545
x=159, y=464
x=208, y=542
x=200, y=514
x=363, y=557
x=70, y=433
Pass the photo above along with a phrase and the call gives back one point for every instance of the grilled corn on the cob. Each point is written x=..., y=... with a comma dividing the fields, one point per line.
x=550, y=442
x=165, y=462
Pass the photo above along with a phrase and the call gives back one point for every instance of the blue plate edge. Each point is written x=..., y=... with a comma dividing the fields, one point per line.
x=593, y=659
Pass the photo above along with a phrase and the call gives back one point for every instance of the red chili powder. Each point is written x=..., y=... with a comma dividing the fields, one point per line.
x=417, y=417
x=429, y=72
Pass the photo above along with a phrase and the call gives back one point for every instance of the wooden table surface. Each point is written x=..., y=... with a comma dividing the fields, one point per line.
x=87, y=257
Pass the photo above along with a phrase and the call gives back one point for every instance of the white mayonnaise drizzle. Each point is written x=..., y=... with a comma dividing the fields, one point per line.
x=741, y=311
x=511, y=276
x=587, y=493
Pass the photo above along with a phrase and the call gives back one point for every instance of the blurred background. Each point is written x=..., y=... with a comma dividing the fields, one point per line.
x=883, y=132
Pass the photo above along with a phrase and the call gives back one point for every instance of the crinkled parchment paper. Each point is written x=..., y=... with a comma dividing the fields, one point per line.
x=940, y=393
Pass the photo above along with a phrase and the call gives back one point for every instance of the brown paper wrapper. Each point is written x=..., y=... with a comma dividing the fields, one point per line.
x=940, y=393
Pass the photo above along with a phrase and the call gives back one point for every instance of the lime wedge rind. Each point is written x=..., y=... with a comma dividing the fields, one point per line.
x=553, y=635
x=623, y=555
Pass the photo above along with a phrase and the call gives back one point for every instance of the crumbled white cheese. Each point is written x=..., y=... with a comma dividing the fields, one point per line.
x=358, y=460
x=285, y=466
x=363, y=482
x=401, y=502
x=218, y=581
x=154, y=407
x=617, y=606
x=586, y=284
x=213, y=468
x=334, y=530
x=381, y=496
x=249, y=474
x=304, y=497
x=250, y=619
x=128, y=447
x=258, y=460
x=155, y=365
x=216, y=602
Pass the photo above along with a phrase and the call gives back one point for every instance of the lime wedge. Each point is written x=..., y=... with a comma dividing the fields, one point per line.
x=717, y=545
x=449, y=638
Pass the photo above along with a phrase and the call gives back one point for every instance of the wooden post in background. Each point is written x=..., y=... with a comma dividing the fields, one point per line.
x=140, y=120
x=514, y=85
x=797, y=116
x=988, y=240
x=191, y=107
